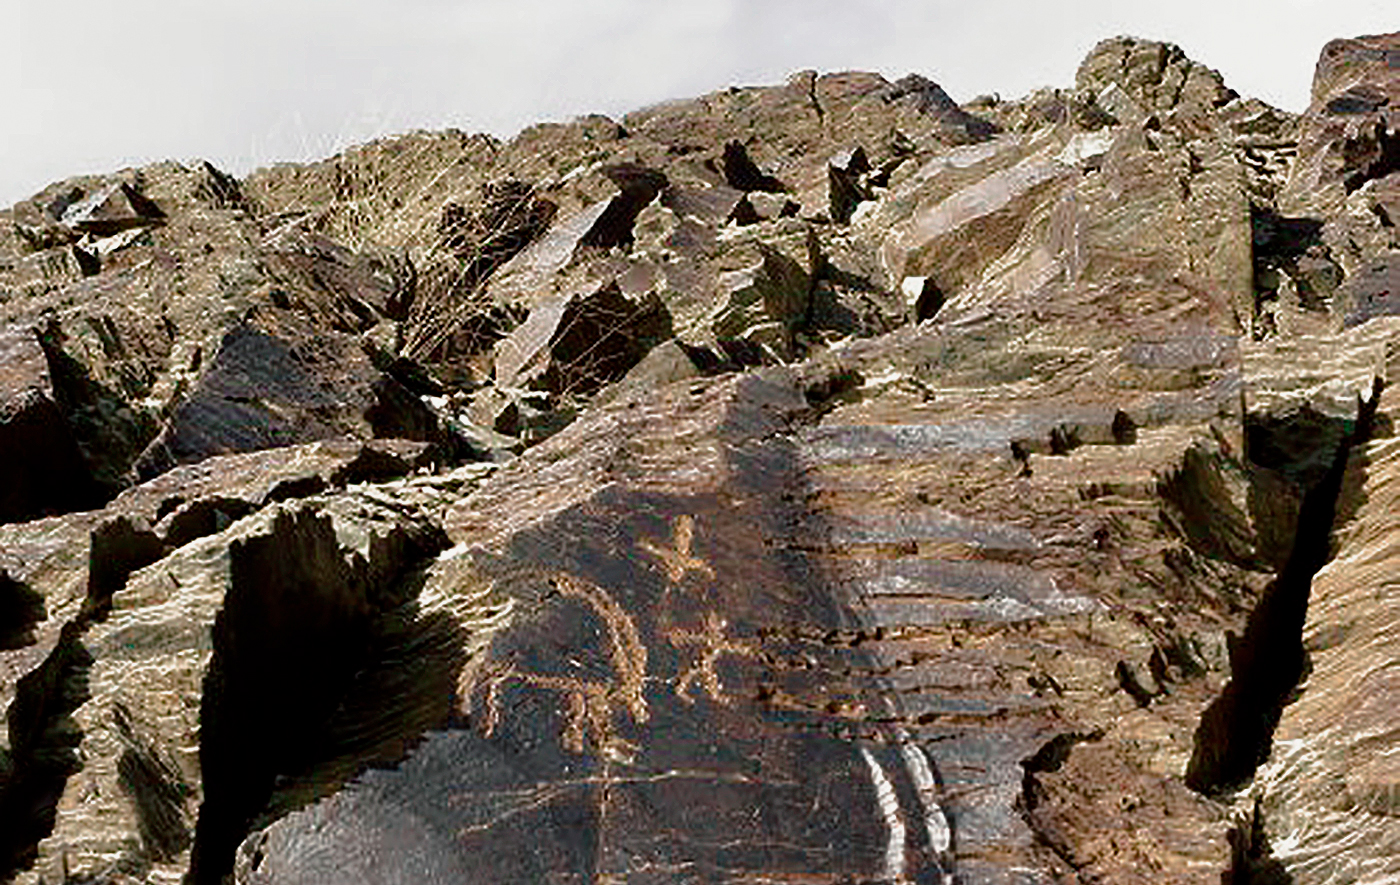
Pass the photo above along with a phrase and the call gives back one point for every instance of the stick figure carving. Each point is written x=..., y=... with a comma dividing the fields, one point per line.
x=709, y=643
x=678, y=559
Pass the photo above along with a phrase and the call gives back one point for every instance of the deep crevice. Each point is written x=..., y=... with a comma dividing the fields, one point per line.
x=298, y=624
x=407, y=687
x=1235, y=733
x=45, y=469
x=931, y=300
x=743, y=174
x=293, y=625
x=638, y=186
x=117, y=548
x=21, y=608
x=1287, y=249
x=846, y=189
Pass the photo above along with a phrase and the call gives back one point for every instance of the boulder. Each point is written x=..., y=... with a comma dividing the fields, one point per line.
x=1133, y=79
x=354, y=291
x=578, y=344
x=44, y=470
x=261, y=391
x=110, y=210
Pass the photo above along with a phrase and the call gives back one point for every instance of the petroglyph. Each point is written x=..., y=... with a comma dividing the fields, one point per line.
x=590, y=705
x=710, y=643
x=678, y=559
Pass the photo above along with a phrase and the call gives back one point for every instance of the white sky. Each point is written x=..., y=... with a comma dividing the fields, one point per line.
x=96, y=85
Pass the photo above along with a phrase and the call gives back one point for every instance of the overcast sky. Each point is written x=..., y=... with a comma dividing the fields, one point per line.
x=96, y=85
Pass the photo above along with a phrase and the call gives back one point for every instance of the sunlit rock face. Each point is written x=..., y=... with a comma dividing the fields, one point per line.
x=821, y=482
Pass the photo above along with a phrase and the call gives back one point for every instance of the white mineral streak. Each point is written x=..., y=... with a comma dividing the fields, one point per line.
x=939, y=836
x=889, y=809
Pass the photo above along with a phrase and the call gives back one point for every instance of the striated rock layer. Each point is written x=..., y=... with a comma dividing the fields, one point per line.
x=823, y=482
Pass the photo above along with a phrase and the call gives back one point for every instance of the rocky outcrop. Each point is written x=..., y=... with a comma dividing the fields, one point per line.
x=201, y=330
x=819, y=482
x=140, y=786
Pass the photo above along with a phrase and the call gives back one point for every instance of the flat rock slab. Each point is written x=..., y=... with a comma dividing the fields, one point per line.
x=650, y=669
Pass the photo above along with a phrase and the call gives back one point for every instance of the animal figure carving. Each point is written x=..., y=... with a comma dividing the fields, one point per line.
x=590, y=705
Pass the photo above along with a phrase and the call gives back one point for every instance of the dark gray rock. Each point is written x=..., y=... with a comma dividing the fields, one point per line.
x=43, y=469
x=262, y=391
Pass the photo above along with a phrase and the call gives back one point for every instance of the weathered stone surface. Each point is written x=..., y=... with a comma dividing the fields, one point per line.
x=655, y=699
x=1344, y=180
x=881, y=490
x=261, y=392
x=1374, y=291
x=869, y=682
x=532, y=271
x=903, y=557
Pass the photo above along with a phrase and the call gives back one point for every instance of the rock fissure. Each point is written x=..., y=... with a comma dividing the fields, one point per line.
x=1268, y=661
x=42, y=754
x=1251, y=857
x=297, y=625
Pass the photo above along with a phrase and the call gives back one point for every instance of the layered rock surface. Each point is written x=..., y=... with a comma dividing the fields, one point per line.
x=823, y=482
